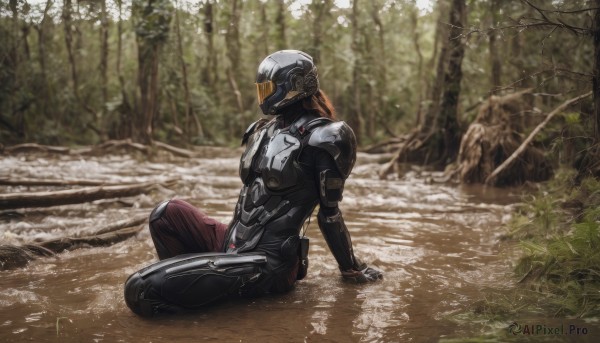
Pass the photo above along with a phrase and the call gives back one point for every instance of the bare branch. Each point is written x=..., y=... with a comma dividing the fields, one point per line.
x=560, y=11
x=575, y=29
x=537, y=9
x=492, y=177
x=553, y=70
x=561, y=23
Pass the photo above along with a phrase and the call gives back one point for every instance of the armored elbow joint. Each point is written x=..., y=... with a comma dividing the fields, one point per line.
x=331, y=187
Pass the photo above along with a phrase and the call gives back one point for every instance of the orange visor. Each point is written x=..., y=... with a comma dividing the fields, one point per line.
x=263, y=90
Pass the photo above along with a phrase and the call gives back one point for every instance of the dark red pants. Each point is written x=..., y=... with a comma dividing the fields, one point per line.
x=182, y=228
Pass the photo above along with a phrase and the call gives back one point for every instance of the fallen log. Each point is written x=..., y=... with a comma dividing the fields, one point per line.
x=490, y=180
x=73, y=182
x=125, y=143
x=385, y=147
x=73, y=196
x=100, y=148
x=67, y=243
x=37, y=147
x=174, y=150
x=125, y=223
x=414, y=141
x=12, y=257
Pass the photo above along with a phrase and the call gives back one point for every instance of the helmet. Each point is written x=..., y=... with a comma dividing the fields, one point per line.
x=283, y=78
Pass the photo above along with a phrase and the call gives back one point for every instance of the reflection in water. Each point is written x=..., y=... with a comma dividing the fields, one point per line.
x=435, y=243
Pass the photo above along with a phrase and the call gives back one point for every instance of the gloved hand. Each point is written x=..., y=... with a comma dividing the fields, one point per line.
x=363, y=275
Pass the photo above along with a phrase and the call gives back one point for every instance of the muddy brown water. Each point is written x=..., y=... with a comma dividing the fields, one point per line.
x=437, y=245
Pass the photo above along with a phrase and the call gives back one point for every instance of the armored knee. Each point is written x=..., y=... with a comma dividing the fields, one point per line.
x=134, y=296
x=158, y=211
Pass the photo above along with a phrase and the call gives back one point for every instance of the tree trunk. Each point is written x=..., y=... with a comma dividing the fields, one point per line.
x=264, y=34
x=596, y=73
x=437, y=140
x=186, y=88
x=414, y=19
x=260, y=46
x=69, y=27
x=152, y=28
x=232, y=37
x=66, y=17
x=280, y=25
x=496, y=66
x=379, y=62
x=495, y=63
x=448, y=118
x=209, y=74
x=14, y=66
x=233, y=44
x=46, y=96
x=25, y=29
x=126, y=120
x=104, y=52
x=356, y=121
x=434, y=93
x=147, y=77
x=319, y=9
x=438, y=87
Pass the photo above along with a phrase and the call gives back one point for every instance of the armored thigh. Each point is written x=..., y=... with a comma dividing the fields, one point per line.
x=190, y=281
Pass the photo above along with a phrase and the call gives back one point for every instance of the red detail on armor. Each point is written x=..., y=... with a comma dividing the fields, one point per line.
x=232, y=246
x=301, y=129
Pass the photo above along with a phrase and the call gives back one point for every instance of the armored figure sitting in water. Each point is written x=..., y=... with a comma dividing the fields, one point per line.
x=292, y=163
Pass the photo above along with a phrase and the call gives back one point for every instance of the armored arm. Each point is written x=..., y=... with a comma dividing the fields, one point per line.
x=334, y=158
x=338, y=239
x=333, y=228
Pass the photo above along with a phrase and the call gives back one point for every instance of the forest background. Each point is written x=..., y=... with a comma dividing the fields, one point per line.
x=82, y=72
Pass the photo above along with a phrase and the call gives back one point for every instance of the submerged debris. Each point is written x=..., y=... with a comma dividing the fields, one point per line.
x=12, y=256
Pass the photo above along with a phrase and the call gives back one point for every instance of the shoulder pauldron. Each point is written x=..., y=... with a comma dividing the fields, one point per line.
x=337, y=139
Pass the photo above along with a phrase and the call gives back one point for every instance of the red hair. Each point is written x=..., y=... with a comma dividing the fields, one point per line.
x=320, y=104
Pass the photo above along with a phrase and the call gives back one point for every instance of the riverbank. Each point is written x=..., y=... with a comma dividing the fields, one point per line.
x=553, y=241
x=559, y=230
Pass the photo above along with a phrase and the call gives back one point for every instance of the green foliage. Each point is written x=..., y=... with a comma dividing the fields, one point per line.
x=572, y=119
x=538, y=215
x=394, y=54
x=562, y=250
x=152, y=19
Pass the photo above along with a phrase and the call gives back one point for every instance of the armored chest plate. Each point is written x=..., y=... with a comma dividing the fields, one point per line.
x=247, y=158
x=279, y=163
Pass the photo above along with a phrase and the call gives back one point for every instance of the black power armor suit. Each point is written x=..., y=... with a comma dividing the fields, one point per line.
x=291, y=164
x=286, y=172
